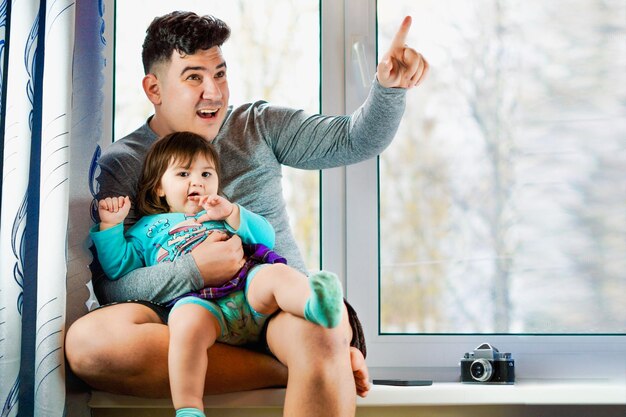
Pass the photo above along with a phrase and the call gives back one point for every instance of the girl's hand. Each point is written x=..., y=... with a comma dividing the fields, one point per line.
x=113, y=211
x=217, y=207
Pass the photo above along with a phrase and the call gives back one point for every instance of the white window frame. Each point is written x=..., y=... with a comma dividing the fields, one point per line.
x=350, y=240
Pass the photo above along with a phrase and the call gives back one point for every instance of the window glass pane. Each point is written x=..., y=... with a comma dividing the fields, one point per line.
x=272, y=54
x=503, y=196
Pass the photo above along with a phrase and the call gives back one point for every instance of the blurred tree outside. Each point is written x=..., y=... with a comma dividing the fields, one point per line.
x=503, y=196
x=279, y=61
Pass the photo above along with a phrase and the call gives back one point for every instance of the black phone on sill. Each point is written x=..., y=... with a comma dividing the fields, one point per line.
x=403, y=382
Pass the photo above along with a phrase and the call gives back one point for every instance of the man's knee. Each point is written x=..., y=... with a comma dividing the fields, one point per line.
x=83, y=348
x=326, y=343
x=296, y=341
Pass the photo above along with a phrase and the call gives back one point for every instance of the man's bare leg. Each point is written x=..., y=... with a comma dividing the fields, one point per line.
x=123, y=349
x=321, y=381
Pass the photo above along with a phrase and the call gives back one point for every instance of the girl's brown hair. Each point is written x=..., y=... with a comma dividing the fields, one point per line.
x=178, y=147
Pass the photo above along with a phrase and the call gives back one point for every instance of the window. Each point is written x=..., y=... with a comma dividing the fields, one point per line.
x=498, y=203
x=501, y=204
x=255, y=54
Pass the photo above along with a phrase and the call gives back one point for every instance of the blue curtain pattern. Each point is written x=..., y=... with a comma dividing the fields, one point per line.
x=52, y=112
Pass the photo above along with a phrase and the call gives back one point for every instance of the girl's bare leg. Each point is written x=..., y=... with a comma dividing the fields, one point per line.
x=318, y=298
x=193, y=330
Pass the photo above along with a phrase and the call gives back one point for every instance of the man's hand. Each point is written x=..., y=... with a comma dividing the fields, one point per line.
x=113, y=211
x=218, y=258
x=401, y=66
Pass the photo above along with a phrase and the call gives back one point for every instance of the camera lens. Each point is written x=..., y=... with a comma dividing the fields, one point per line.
x=481, y=370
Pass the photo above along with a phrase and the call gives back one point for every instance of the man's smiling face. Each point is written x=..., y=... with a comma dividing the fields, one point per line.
x=189, y=93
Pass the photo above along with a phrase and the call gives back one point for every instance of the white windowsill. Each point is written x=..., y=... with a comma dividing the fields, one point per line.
x=438, y=394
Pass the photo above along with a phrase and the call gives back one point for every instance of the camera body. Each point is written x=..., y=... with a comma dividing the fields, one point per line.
x=486, y=365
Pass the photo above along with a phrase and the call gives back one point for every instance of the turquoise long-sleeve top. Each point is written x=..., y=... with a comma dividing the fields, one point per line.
x=164, y=237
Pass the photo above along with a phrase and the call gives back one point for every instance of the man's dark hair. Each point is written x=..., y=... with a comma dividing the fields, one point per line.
x=185, y=32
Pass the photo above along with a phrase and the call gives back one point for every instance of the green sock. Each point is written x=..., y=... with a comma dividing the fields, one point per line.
x=324, y=306
x=189, y=412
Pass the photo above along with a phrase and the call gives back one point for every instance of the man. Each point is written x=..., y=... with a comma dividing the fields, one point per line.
x=122, y=347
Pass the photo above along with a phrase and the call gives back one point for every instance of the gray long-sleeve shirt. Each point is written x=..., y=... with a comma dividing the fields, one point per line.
x=253, y=143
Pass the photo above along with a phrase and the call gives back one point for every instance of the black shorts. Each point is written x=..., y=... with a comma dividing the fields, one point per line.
x=358, y=338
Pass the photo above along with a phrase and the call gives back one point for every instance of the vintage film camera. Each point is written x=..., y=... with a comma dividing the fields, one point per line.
x=487, y=365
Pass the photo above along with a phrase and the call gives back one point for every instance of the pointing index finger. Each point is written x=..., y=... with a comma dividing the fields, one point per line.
x=400, y=38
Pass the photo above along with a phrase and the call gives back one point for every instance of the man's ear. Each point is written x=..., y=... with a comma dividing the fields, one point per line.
x=152, y=88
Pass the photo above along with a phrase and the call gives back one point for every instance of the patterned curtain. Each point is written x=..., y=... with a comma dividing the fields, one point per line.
x=50, y=129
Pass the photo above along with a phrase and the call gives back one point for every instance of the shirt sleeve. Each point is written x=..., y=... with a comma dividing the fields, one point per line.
x=315, y=141
x=159, y=283
x=254, y=229
x=120, y=170
x=118, y=255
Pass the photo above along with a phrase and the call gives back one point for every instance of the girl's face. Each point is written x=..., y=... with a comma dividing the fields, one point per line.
x=178, y=183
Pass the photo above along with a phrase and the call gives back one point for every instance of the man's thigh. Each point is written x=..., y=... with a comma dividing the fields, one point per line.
x=282, y=331
x=284, y=334
x=109, y=325
x=130, y=312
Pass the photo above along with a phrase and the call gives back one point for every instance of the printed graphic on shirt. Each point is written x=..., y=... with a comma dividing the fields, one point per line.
x=183, y=237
